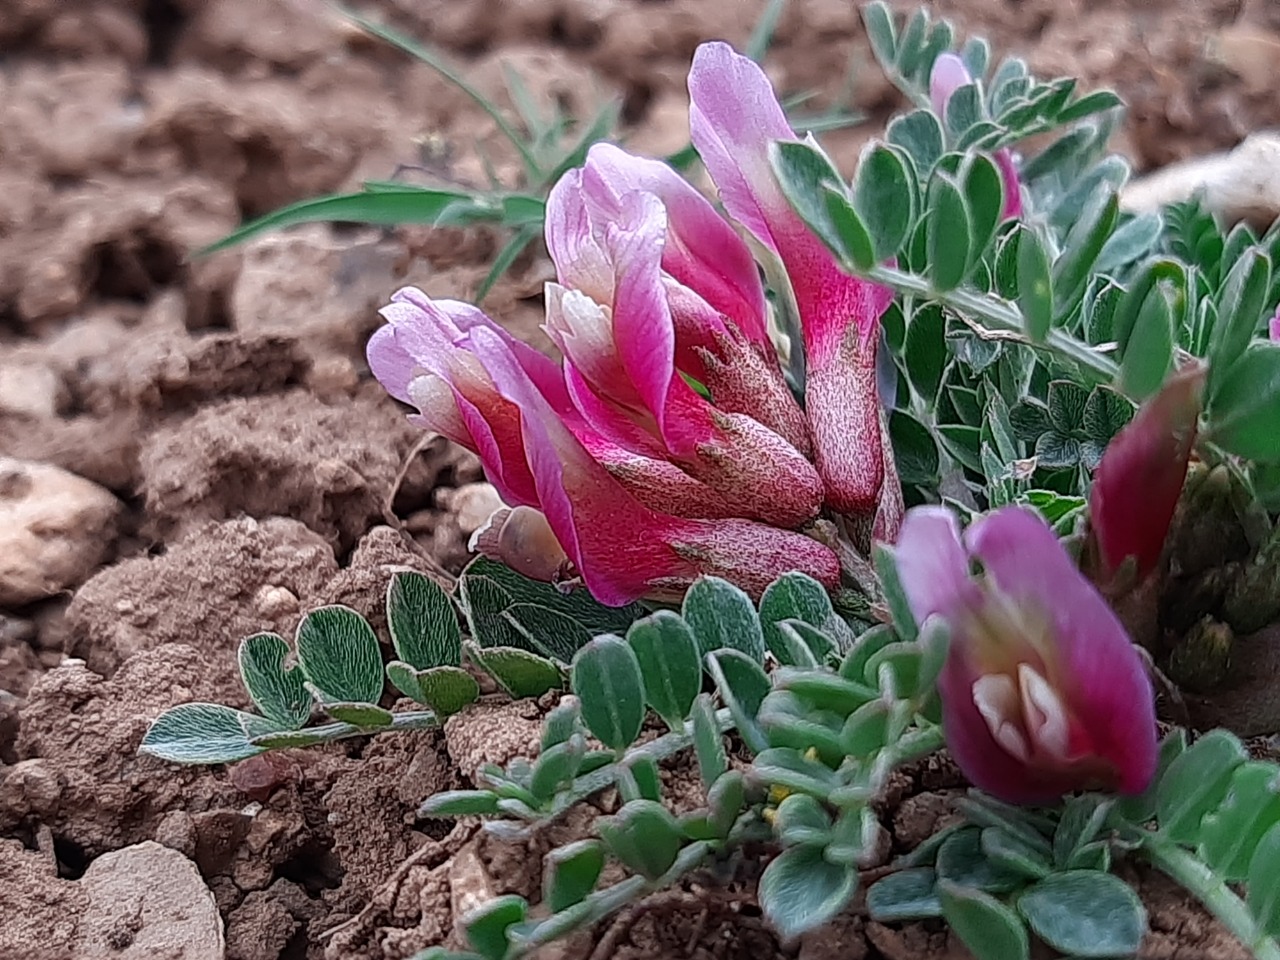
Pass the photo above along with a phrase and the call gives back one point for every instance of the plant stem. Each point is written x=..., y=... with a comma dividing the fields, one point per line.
x=1005, y=317
x=338, y=730
x=1195, y=877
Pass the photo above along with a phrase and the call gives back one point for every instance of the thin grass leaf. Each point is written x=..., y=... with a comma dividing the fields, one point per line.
x=762, y=34
x=437, y=63
x=506, y=257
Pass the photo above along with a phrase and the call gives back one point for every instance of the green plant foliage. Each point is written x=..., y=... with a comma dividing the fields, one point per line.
x=611, y=690
x=670, y=664
x=423, y=622
x=1085, y=913
x=277, y=689
x=722, y=617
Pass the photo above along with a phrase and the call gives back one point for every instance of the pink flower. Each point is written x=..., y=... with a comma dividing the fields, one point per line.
x=1273, y=328
x=618, y=335
x=1139, y=481
x=1042, y=692
x=576, y=513
x=949, y=75
x=734, y=117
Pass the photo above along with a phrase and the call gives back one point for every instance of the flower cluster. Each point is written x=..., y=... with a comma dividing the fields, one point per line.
x=666, y=444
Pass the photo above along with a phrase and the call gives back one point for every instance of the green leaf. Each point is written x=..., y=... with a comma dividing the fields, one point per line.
x=460, y=803
x=607, y=680
x=912, y=44
x=1082, y=818
x=878, y=20
x=787, y=768
x=743, y=685
x=925, y=354
x=1244, y=413
x=800, y=890
x=1085, y=913
x=726, y=799
x=722, y=617
x=643, y=835
x=446, y=690
x=640, y=779
x=823, y=691
x=486, y=926
x=1142, y=809
x=793, y=596
x=546, y=632
x=867, y=729
x=1066, y=406
x=1264, y=883
x=519, y=672
x=204, y=733
x=708, y=742
x=1131, y=241
x=961, y=860
x=905, y=895
x=422, y=622
x=984, y=197
x=803, y=173
x=571, y=872
x=404, y=204
x=670, y=664
x=562, y=722
x=914, y=449
x=1089, y=104
x=1035, y=284
x=1148, y=351
x=1006, y=850
x=1230, y=834
x=339, y=655
x=852, y=235
x=949, y=233
x=1056, y=452
x=964, y=109
x=1196, y=783
x=962, y=443
x=801, y=819
x=1105, y=414
x=277, y=691
x=556, y=766
x=487, y=590
x=904, y=621
x=991, y=930
x=884, y=196
x=920, y=134
x=1082, y=246
x=358, y=713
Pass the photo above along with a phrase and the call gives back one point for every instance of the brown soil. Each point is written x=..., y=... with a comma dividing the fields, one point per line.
x=225, y=462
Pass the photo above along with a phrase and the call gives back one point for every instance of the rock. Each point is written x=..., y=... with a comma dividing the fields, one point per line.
x=55, y=528
x=40, y=910
x=471, y=504
x=148, y=901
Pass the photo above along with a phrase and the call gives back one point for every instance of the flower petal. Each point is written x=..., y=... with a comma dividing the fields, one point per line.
x=703, y=251
x=933, y=567
x=949, y=74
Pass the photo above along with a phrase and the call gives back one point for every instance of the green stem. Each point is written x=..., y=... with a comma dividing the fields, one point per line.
x=1195, y=877
x=531, y=167
x=1001, y=315
x=338, y=730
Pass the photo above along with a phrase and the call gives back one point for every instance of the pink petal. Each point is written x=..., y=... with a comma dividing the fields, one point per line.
x=933, y=566
x=1273, y=328
x=733, y=117
x=1012, y=184
x=703, y=252
x=580, y=260
x=949, y=75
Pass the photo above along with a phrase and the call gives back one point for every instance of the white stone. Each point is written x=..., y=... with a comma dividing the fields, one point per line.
x=148, y=901
x=55, y=528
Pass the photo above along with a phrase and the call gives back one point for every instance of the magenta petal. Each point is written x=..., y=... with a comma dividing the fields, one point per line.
x=580, y=260
x=1273, y=328
x=1012, y=184
x=933, y=567
x=703, y=251
x=391, y=363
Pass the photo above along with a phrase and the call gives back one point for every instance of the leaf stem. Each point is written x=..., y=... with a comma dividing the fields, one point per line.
x=340, y=730
x=1005, y=317
x=1196, y=877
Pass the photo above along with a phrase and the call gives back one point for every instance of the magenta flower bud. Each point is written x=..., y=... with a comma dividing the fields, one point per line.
x=1139, y=481
x=1273, y=328
x=949, y=75
x=734, y=117
x=1042, y=692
